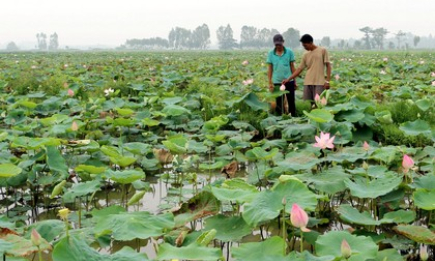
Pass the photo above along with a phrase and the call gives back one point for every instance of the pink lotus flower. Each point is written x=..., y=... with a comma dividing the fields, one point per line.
x=323, y=101
x=74, y=126
x=433, y=83
x=35, y=238
x=421, y=62
x=407, y=163
x=346, y=251
x=324, y=141
x=432, y=74
x=248, y=81
x=385, y=59
x=282, y=88
x=337, y=77
x=383, y=72
x=70, y=93
x=299, y=218
x=245, y=63
x=317, y=98
x=366, y=146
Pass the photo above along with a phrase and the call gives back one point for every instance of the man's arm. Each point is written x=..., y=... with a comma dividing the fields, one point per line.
x=294, y=75
x=269, y=76
x=328, y=75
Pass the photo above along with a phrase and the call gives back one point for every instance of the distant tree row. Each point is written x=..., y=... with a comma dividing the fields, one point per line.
x=42, y=45
x=179, y=38
x=375, y=39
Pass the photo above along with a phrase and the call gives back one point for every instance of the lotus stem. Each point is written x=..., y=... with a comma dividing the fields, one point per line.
x=302, y=242
x=40, y=254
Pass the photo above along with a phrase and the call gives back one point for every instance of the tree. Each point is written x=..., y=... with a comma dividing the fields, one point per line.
x=326, y=41
x=180, y=38
x=366, y=30
x=200, y=37
x=225, y=38
x=292, y=37
x=42, y=41
x=357, y=45
x=248, y=37
x=391, y=45
x=416, y=40
x=341, y=44
x=54, y=42
x=399, y=36
x=379, y=37
x=12, y=47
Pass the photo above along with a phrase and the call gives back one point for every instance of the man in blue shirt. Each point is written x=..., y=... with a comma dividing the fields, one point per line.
x=281, y=66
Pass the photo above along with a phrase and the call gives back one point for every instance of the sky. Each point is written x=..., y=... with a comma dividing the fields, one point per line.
x=110, y=23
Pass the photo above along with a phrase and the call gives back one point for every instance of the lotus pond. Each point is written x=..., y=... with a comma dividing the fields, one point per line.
x=178, y=156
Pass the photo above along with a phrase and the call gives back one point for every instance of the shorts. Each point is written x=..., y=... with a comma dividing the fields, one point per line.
x=310, y=91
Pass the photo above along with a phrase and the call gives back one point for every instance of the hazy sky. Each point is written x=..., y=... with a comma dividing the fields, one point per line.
x=109, y=22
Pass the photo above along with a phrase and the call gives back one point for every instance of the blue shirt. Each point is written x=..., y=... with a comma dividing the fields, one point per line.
x=281, y=64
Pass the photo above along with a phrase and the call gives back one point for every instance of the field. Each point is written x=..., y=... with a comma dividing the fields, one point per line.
x=178, y=156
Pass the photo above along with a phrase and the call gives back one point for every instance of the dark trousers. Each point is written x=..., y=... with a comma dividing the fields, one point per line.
x=290, y=87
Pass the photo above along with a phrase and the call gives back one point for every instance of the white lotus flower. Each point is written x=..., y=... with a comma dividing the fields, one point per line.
x=109, y=91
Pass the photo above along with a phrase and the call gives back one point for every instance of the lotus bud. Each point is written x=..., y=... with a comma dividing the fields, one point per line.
x=346, y=251
x=35, y=237
x=366, y=146
x=74, y=126
x=299, y=218
x=407, y=163
x=282, y=88
x=70, y=93
x=365, y=166
x=284, y=201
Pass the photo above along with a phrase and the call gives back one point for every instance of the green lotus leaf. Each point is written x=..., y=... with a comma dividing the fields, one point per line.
x=362, y=248
x=362, y=188
x=272, y=249
x=130, y=225
x=424, y=199
x=416, y=127
x=229, y=229
x=319, y=115
x=190, y=252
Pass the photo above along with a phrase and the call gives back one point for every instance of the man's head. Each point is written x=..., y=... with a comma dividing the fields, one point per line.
x=307, y=42
x=278, y=40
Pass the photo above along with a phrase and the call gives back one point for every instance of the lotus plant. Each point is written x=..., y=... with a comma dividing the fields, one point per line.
x=407, y=163
x=36, y=240
x=324, y=141
x=248, y=81
x=320, y=102
x=366, y=146
x=299, y=219
x=346, y=251
x=63, y=214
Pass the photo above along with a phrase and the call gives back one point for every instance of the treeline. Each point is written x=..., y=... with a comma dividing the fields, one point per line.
x=199, y=39
x=178, y=38
x=252, y=37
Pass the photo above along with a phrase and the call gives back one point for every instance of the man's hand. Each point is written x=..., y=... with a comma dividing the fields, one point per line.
x=285, y=81
x=326, y=85
x=271, y=87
